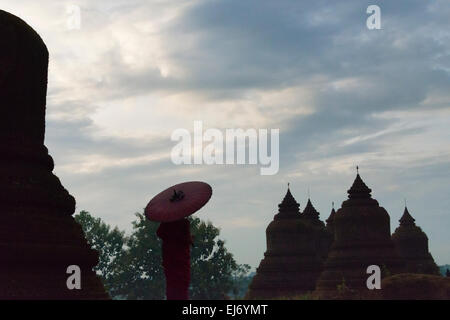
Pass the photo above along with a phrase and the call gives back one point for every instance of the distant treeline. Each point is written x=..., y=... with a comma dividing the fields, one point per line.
x=443, y=269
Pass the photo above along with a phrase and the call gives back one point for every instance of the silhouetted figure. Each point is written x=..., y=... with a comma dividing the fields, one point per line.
x=39, y=238
x=412, y=246
x=447, y=273
x=176, y=241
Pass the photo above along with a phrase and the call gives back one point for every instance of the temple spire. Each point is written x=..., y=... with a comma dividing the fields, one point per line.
x=330, y=219
x=359, y=190
x=310, y=212
x=407, y=219
x=289, y=207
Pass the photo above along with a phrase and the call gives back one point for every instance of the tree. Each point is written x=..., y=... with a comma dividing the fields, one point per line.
x=213, y=269
x=131, y=267
x=141, y=274
x=108, y=242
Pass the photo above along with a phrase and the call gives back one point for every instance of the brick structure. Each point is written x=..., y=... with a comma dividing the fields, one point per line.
x=39, y=238
x=412, y=246
x=296, y=245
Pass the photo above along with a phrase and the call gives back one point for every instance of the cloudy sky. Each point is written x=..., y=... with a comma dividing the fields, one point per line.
x=342, y=95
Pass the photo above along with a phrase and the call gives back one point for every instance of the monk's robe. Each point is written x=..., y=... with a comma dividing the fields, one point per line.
x=176, y=241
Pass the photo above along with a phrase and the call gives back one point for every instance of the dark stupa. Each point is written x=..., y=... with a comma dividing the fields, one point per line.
x=39, y=239
x=293, y=259
x=361, y=238
x=412, y=246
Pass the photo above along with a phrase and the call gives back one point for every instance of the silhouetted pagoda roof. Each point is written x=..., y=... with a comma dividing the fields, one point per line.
x=359, y=190
x=407, y=219
x=310, y=212
x=289, y=207
x=330, y=219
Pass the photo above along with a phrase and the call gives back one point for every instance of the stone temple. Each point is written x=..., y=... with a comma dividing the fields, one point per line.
x=305, y=256
x=297, y=246
x=39, y=238
x=362, y=238
x=412, y=246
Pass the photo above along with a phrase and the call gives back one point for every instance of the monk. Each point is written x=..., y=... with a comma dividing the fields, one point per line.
x=176, y=240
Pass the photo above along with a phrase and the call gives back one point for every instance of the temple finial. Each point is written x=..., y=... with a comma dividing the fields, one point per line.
x=288, y=184
x=405, y=201
x=357, y=169
x=332, y=204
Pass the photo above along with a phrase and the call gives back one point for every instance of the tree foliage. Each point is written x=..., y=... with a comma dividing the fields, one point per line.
x=130, y=266
x=109, y=242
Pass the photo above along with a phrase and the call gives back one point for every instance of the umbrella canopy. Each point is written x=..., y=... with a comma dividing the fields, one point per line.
x=178, y=201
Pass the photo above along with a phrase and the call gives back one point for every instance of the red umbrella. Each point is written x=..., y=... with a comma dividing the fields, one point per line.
x=178, y=201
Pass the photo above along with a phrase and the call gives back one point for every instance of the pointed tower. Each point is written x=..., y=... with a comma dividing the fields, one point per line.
x=362, y=238
x=412, y=246
x=322, y=237
x=330, y=220
x=39, y=238
x=311, y=215
x=293, y=259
